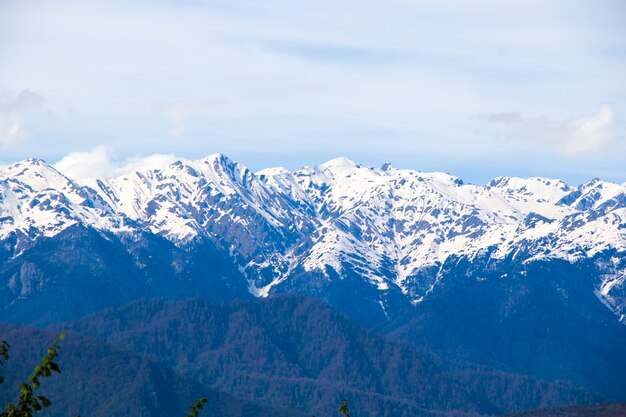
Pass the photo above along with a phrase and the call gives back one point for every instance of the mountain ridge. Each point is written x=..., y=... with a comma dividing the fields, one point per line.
x=390, y=227
x=99, y=380
x=298, y=352
x=526, y=276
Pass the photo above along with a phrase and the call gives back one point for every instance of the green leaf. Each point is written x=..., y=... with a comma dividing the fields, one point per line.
x=44, y=401
x=195, y=409
x=344, y=408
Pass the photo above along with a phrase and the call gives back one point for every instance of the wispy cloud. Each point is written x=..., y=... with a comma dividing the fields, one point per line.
x=584, y=135
x=179, y=113
x=100, y=163
x=12, y=108
x=318, y=76
x=336, y=53
x=505, y=118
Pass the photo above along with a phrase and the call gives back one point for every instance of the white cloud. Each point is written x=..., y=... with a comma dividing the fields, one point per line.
x=99, y=163
x=25, y=100
x=179, y=113
x=598, y=132
x=504, y=118
x=11, y=111
x=11, y=129
x=309, y=78
x=572, y=137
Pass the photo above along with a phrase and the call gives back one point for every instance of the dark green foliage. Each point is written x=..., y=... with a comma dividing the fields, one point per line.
x=4, y=355
x=29, y=403
x=344, y=408
x=291, y=352
x=86, y=271
x=542, y=320
x=298, y=353
x=195, y=409
x=101, y=381
x=595, y=410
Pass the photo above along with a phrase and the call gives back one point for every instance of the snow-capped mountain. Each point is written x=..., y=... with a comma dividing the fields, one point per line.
x=392, y=230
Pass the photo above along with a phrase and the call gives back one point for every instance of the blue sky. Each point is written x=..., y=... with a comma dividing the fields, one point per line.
x=478, y=89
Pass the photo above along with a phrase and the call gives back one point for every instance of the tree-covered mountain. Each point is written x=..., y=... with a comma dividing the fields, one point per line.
x=540, y=319
x=80, y=270
x=299, y=353
x=595, y=410
x=524, y=276
x=98, y=380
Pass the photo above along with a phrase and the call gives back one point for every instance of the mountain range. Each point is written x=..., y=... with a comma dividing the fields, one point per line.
x=384, y=232
x=523, y=279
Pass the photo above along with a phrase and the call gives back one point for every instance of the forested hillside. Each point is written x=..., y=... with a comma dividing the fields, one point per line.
x=299, y=353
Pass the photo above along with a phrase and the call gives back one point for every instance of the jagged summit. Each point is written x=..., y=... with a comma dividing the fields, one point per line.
x=385, y=225
x=218, y=159
x=26, y=166
x=386, y=167
x=272, y=172
x=340, y=162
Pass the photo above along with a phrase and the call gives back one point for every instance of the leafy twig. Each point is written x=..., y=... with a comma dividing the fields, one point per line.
x=194, y=411
x=28, y=402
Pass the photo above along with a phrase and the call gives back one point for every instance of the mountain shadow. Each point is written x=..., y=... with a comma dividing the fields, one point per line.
x=82, y=270
x=540, y=319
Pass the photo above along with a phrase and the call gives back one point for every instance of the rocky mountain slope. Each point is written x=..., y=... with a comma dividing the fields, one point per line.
x=525, y=276
x=330, y=230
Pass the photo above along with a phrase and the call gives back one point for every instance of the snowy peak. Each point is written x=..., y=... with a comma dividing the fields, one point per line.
x=35, y=174
x=596, y=195
x=534, y=195
x=536, y=188
x=222, y=167
x=341, y=163
x=384, y=225
x=272, y=172
x=37, y=200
